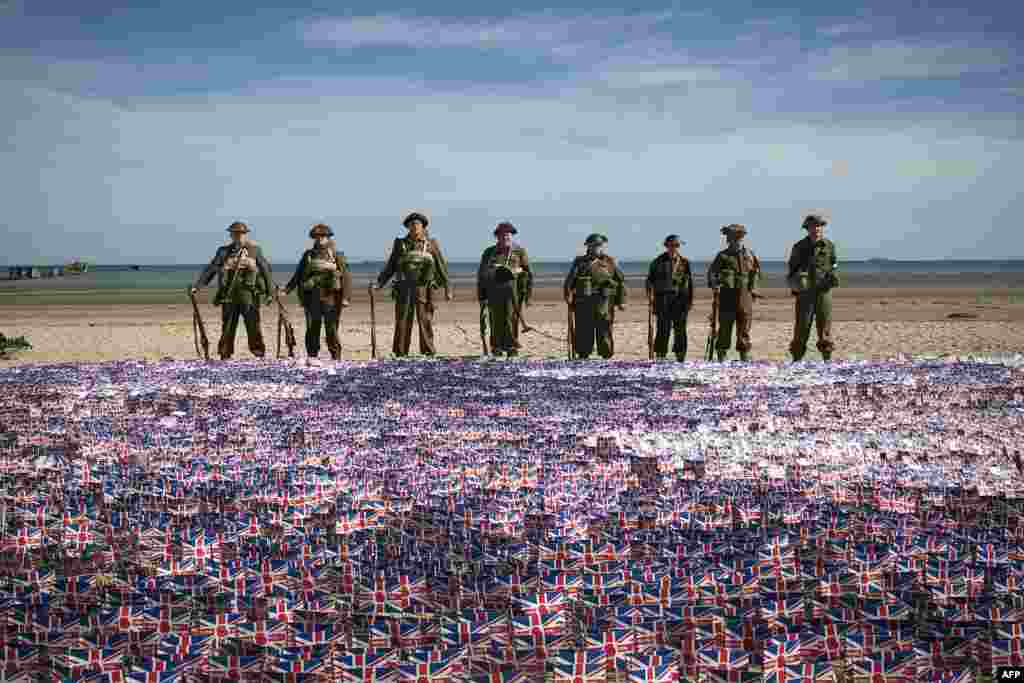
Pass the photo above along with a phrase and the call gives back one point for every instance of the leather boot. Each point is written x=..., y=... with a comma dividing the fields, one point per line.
x=745, y=356
x=721, y=356
x=826, y=356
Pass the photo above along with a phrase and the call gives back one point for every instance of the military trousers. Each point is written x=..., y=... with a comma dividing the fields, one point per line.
x=413, y=304
x=501, y=312
x=670, y=311
x=230, y=314
x=320, y=313
x=735, y=308
x=816, y=302
x=593, y=325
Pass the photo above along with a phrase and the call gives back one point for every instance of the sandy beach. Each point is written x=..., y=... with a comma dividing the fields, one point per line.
x=94, y=326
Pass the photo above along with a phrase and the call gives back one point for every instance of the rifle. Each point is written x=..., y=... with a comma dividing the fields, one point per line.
x=570, y=337
x=483, y=327
x=650, y=328
x=373, y=325
x=709, y=352
x=289, y=331
x=199, y=329
x=611, y=329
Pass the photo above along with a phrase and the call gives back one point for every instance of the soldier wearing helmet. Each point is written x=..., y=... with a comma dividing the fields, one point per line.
x=594, y=285
x=813, y=273
x=243, y=279
x=418, y=267
x=734, y=274
x=324, y=283
x=670, y=290
x=503, y=280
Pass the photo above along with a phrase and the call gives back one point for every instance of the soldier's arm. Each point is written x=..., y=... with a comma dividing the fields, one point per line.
x=649, y=284
x=297, y=275
x=346, y=275
x=835, y=263
x=265, y=271
x=755, y=274
x=216, y=263
x=440, y=267
x=569, y=283
x=713, y=276
x=528, y=275
x=481, y=293
x=392, y=264
x=620, y=281
x=689, y=286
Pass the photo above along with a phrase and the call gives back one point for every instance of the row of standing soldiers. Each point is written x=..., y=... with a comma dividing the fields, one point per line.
x=593, y=289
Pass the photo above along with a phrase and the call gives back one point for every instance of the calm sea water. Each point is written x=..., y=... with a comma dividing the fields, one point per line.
x=859, y=273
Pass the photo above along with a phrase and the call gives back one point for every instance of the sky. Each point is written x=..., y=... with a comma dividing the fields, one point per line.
x=136, y=131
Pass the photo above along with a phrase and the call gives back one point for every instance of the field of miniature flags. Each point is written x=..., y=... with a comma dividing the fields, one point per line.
x=464, y=521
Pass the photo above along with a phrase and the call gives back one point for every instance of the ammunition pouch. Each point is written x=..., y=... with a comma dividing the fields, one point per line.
x=503, y=275
x=728, y=279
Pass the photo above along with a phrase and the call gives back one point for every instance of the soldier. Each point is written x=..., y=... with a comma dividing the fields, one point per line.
x=594, y=283
x=813, y=272
x=504, y=282
x=243, y=279
x=419, y=268
x=324, y=283
x=734, y=275
x=670, y=289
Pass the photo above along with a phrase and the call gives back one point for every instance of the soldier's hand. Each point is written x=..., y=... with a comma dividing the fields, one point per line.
x=193, y=291
x=620, y=307
x=716, y=289
x=794, y=292
x=345, y=303
x=448, y=296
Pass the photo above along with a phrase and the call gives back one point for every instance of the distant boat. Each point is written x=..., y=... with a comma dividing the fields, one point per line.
x=76, y=268
x=878, y=259
x=136, y=267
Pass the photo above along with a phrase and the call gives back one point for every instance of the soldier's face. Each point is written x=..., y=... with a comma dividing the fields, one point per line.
x=320, y=242
x=816, y=232
x=236, y=237
x=416, y=230
x=505, y=240
x=673, y=248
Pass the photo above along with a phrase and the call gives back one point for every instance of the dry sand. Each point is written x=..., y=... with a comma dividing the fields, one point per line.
x=869, y=323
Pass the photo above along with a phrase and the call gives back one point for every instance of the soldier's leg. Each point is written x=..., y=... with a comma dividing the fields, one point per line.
x=663, y=318
x=602, y=334
x=253, y=329
x=823, y=319
x=502, y=320
x=314, y=319
x=803, y=306
x=744, y=320
x=405, y=309
x=331, y=319
x=425, y=320
x=679, y=340
x=229, y=314
x=584, y=315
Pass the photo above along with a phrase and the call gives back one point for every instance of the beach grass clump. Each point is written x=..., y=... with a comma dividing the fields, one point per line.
x=8, y=344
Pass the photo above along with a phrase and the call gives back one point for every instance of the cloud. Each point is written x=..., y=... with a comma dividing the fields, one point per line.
x=904, y=60
x=547, y=32
x=285, y=159
x=853, y=28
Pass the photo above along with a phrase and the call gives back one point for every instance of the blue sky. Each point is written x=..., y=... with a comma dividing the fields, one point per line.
x=136, y=131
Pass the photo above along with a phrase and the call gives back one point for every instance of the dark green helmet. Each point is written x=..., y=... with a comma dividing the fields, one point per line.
x=596, y=238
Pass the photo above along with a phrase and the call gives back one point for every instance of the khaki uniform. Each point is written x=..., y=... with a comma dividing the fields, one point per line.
x=418, y=269
x=243, y=301
x=813, y=273
x=596, y=284
x=738, y=273
x=670, y=284
x=321, y=292
x=504, y=281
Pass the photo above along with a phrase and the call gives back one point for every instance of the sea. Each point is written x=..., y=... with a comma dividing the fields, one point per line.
x=867, y=273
